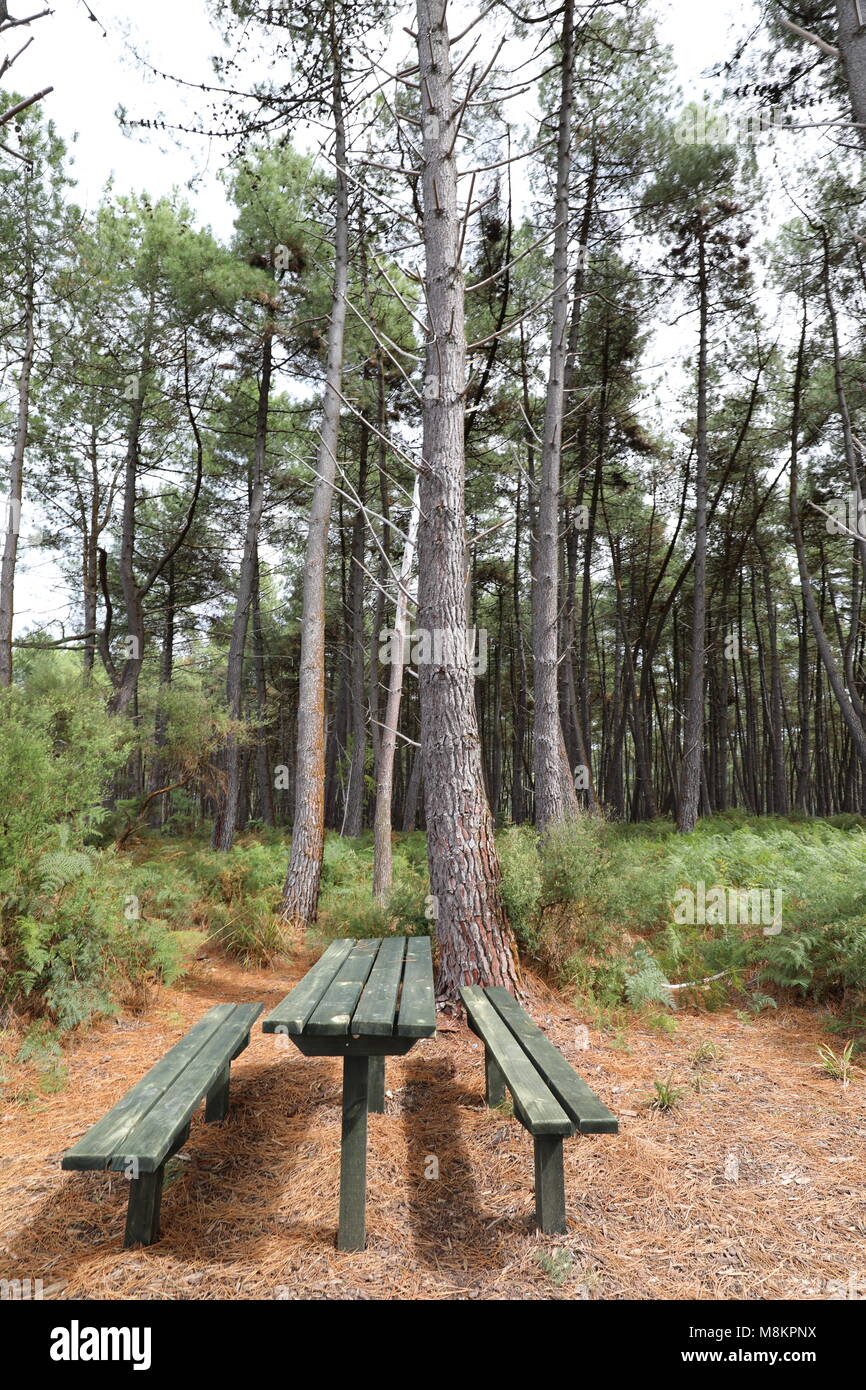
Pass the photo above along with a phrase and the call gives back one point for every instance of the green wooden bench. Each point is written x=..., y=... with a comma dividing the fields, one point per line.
x=151, y=1122
x=550, y=1099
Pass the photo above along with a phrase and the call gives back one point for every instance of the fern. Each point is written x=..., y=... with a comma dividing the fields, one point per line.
x=648, y=982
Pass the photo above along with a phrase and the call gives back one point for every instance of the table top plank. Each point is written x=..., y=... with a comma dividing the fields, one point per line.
x=292, y=1013
x=417, y=1016
x=377, y=1007
x=333, y=1013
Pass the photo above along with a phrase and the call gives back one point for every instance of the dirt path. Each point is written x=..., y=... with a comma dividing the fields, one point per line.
x=753, y=1188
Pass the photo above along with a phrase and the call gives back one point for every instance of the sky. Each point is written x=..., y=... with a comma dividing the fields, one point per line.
x=93, y=69
x=94, y=65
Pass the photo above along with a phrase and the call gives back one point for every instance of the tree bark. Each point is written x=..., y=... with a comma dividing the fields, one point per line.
x=852, y=46
x=382, y=870
x=475, y=941
x=354, y=816
x=555, y=797
x=690, y=775
x=227, y=815
x=126, y=683
x=16, y=476
x=834, y=675
x=301, y=889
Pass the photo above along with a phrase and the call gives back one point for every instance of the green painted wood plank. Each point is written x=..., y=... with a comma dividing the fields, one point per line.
x=333, y=1014
x=351, y=1234
x=142, y=1212
x=291, y=1014
x=151, y=1139
x=97, y=1147
x=539, y=1109
x=377, y=1007
x=589, y=1113
x=549, y=1185
x=417, y=1017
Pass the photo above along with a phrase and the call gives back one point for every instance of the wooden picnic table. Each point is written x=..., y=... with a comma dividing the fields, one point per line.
x=363, y=1001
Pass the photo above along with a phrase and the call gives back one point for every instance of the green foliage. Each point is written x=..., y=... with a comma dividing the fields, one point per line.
x=596, y=902
x=346, y=907
x=705, y=1054
x=521, y=882
x=558, y=1265
x=666, y=1097
x=647, y=982
x=72, y=943
x=58, y=747
x=572, y=860
x=838, y=1066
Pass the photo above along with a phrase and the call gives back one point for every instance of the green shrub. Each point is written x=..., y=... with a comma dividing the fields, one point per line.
x=521, y=882
x=71, y=940
x=607, y=889
x=249, y=930
x=409, y=906
x=573, y=856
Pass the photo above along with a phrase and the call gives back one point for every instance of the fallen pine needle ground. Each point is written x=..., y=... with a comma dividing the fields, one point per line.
x=751, y=1187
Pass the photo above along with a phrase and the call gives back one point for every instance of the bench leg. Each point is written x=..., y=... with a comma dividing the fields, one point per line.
x=217, y=1102
x=494, y=1080
x=549, y=1185
x=376, y=1086
x=142, y=1213
x=353, y=1154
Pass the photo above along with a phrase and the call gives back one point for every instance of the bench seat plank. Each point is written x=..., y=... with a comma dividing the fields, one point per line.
x=417, y=1017
x=151, y=1139
x=108, y=1136
x=540, y=1111
x=291, y=1014
x=589, y=1113
x=377, y=1007
x=333, y=1013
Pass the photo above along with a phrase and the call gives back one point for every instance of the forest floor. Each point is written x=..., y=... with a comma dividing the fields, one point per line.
x=753, y=1187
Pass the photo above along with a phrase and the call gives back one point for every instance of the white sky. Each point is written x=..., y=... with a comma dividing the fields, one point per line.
x=92, y=74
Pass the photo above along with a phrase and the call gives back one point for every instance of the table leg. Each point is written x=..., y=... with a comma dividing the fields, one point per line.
x=353, y=1153
x=377, y=1085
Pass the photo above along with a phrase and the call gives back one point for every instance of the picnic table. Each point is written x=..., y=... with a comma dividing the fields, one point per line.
x=363, y=1001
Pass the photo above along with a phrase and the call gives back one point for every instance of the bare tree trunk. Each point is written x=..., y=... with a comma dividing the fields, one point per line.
x=301, y=890
x=159, y=811
x=227, y=814
x=354, y=817
x=852, y=45
x=410, y=800
x=475, y=940
x=126, y=680
x=263, y=770
x=16, y=479
x=388, y=739
x=690, y=775
x=555, y=797
x=834, y=675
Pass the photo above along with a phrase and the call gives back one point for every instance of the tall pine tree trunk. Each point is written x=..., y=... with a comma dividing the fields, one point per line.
x=16, y=478
x=388, y=735
x=693, y=736
x=555, y=798
x=227, y=814
x=301, y=890
x=475, y=940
